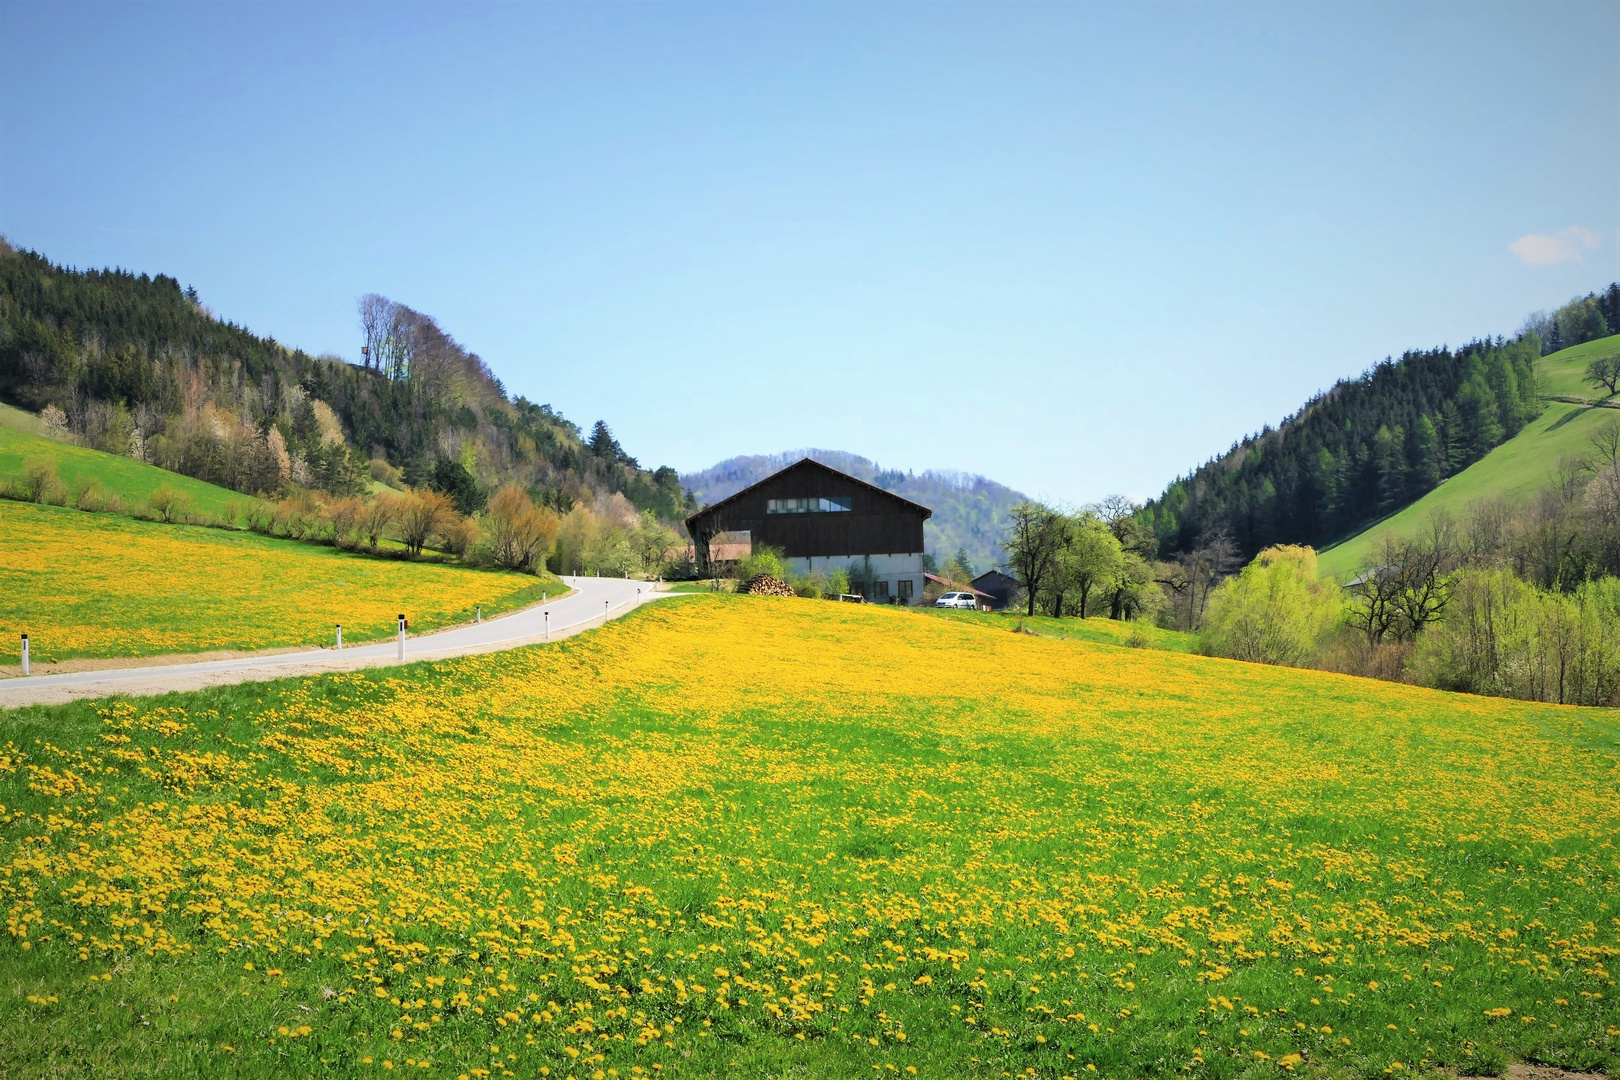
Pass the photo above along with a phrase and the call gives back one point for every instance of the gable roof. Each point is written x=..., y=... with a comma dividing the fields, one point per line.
x=957, y=586
x=808, y=463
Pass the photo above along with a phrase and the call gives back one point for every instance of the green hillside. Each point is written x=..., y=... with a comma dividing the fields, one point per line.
x=1516, y=469
x=21, y=444
x=1563, y=373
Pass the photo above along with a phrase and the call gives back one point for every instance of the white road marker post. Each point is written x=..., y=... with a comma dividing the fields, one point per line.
x=25, y=653
x=402, y=638
x=547, y=614
x=604, y=610
x=340, y=637
x=480, y=617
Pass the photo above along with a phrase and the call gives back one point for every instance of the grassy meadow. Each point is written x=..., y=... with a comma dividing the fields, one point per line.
x=103, y=585
x=1096, y=629
x=734, y=835
x=21, y=445
x=1514, y=471
x=1564, y=372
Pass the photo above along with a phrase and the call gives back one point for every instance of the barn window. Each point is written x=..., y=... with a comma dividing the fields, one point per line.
x=812, y=505
x=905, y=588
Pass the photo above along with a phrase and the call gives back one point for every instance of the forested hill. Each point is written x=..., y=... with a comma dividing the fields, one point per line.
x=969, y=511
x=1372, y=445
x=134, y=364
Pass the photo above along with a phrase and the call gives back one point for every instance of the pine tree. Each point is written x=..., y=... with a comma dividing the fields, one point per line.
x=603, y=444
x=1389, y=463
x=1453, y=445
x=1424, y=458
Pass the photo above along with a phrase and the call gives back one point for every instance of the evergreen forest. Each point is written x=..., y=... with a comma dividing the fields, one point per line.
x=1369, y=446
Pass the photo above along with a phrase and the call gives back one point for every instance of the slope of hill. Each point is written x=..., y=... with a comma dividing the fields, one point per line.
x=100, y=585
x=136, y=360
x=21, y=445
x=1369, y=446
x=1563, y=374
x=1515, y=470
x=731, y=836
x=969, y=511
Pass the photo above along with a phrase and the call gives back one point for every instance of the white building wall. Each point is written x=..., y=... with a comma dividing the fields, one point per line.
x=891, y=568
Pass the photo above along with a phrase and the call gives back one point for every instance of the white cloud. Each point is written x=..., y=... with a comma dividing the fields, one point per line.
x=1566, y=245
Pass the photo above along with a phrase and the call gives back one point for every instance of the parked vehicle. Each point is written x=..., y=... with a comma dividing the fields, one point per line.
x=958, y=600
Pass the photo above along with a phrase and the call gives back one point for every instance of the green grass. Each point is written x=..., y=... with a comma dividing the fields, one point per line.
x=131, y=480
x=104, y=585
x=697, y=586
x=1514, y=471
x=734, y=836
x=1563, y=373
x=1097, y=629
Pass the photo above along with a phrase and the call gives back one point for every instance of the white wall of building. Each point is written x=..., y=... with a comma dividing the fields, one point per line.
x=891, y=569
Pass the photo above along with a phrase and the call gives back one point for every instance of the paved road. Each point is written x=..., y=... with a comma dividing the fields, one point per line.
x=593, y=602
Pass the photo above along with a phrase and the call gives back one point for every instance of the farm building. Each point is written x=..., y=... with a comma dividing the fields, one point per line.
x=1000, y=587
x=821, y=518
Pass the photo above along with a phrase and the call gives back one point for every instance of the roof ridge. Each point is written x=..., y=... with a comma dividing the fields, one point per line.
x=807, y=460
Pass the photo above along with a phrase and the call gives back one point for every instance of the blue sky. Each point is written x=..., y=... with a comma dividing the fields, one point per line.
x=1077, y=248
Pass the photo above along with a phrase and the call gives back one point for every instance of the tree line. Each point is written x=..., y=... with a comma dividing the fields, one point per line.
x=1521, y=601
x=1372, y=445
x=137, y=365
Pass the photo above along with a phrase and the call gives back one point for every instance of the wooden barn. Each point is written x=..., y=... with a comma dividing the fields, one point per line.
x=821, y=518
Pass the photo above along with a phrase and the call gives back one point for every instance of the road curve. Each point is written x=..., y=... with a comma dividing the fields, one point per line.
x=593, y=601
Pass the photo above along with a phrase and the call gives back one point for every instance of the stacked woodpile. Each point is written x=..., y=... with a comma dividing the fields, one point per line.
x=765, y=585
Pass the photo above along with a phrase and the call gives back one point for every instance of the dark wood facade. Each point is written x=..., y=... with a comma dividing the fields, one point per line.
x=877, y=522
x=997, y=585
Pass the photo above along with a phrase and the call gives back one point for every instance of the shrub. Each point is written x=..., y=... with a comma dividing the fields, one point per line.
x=1502, y=635
x=342, y=518
x=298, y=516
x=92, y=498
x=813, y=587
x=384, y=473
x=378, y=515
x=421, y=516
x=838, y=581
x=519, y=534
x=260, y=518
x=39, y=482
x=168, y=504
x=461, y=538
x=1277, y=611
x=764, y=559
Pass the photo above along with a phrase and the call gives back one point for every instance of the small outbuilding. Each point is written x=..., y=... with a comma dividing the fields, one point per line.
x=1001, y=588
x=821, y=518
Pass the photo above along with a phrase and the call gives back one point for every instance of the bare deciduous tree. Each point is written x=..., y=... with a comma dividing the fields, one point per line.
x=422, y=516
x=520, y=533
x=1603, y=373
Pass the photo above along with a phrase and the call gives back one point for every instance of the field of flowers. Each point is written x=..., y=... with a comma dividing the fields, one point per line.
x=772, y=837
x=96, y=585
x=1097, y=629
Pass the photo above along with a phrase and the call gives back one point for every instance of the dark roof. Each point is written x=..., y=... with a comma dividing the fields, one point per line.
x=808, y=462
x=994, y=574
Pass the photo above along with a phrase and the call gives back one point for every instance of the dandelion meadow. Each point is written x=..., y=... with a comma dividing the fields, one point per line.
x=764, y=837
x=99, y=585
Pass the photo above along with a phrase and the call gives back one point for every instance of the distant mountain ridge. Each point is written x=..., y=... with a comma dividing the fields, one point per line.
x=969, y=510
